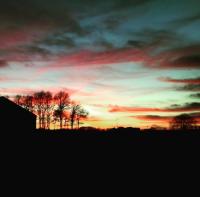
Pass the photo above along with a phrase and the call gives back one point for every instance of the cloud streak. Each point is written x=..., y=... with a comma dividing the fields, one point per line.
x=3, y=63
x=154, y=118
x=197, y=95
x=174, y=59
x=163, y=119
x=182, y=81
x=189, y=87
x=174, y=108
x=45, y=28
x=190, y=84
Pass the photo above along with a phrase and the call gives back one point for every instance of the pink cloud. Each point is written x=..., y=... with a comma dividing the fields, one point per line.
x=91, y=58
x=188, y=107
x=107, y=57
x=25, y=91
x=4, y=79
x=13, y=91
x=20, y=36
x=116, y=108
x=181, y=58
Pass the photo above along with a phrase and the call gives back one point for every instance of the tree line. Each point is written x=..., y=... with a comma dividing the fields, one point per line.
x=53, y=109
x=184, y=122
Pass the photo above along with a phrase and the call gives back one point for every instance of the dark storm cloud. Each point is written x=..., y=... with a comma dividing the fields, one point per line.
x=186, y=21
x=25, y=54
x=190, y=84
x=190, y=61
x=95, y=25
x=136, y=43
x=59, y=39
x=185, y=57
x=121, y=4
x=190, y=87
x=35, y=50
x=59, y=12
x=154, y=39
x=167, y=50
x=14, y=13
x=195, y=95
x=26, y=24
x=21, y=20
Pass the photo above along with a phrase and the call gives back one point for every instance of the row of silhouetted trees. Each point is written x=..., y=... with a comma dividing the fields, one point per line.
x=53, y=109
x=183, y=122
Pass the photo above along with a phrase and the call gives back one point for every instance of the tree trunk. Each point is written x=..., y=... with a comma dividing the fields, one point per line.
x=72, y=124
x=78, y=123
x=60, y=123
x=40, y=121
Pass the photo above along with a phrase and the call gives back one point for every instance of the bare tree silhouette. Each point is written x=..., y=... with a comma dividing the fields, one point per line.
x=62, y=102
x=82, y=114
x=52, y=109
x=48, y=107
x=39, y=107
x=56, y=117
x=18, y=99
x=28, y=102
x=183, y=122
x=74, y=111
x=76, y=114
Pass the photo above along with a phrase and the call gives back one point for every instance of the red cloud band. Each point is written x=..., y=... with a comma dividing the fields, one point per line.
x=186, y=108
x=185, y=81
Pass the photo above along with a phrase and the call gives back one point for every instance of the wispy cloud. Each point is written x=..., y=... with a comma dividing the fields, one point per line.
x=190, y=84
x=163, y=119
x=174, y=108
x=181, y=22
x=197, y=95
x=154, y=118
x=189, y=87
x=182, y=81
x=3, y=63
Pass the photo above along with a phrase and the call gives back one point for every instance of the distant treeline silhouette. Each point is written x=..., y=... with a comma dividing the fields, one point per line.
x=183, y=122
x=53, y=109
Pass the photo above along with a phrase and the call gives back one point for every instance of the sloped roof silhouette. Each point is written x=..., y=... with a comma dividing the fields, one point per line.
x=6, y=104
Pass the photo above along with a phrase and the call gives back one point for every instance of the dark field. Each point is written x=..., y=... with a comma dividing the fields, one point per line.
x=115, y=137
x=81, y=149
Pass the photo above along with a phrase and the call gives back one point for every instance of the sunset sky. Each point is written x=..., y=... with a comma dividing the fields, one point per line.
x=128, y=62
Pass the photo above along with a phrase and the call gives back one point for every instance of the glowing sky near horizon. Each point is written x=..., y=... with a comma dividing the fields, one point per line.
x=128, y=62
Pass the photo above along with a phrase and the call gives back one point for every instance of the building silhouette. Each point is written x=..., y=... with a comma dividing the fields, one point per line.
x=15, y=119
